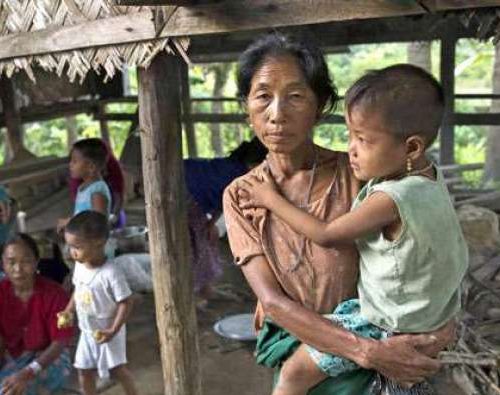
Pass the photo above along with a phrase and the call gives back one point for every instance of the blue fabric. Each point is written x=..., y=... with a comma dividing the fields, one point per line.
x=4, y=228
x=52, y=378
x=347, y=315
x=83, y=201
x=206, y=180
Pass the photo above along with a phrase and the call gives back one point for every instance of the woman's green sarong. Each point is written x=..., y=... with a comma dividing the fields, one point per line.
x=275, y=345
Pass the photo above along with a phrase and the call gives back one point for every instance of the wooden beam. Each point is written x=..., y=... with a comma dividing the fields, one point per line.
x=160, y=125
x=476, y=119
x=447, y=132
x=185, y=3
x=220, y=17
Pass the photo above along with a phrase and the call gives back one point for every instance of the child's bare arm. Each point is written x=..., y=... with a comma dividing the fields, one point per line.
x=65, y=318
x=376, y=212
x=122, y=313
x=100, y=203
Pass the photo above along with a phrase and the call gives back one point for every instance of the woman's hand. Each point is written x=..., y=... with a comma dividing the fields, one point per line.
x=17, y=383
x=255, y=192
x=398, y=358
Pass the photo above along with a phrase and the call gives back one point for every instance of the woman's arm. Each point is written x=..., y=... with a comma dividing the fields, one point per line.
x=17, y=383
x=396, y=357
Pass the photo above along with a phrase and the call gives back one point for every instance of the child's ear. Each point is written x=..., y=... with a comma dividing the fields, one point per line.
x=415, y=147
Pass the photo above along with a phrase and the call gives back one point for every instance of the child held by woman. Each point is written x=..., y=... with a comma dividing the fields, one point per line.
x=102, y=300
x=412, y=251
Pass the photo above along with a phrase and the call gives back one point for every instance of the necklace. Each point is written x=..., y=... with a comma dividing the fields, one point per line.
x=420, y=171
x=298, y=257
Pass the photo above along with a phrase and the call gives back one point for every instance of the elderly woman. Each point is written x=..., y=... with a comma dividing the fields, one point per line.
x=34, y=359
x=287, y=89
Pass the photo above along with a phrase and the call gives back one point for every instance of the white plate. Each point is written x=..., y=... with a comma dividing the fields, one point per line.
x=236, y=327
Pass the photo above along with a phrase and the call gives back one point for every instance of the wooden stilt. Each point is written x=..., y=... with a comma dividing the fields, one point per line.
x=160, y=125
x=13, y=122
x=447, y=134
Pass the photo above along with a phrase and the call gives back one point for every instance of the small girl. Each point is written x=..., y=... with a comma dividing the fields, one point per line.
x=87, y=162
x=102, y=299
x=412, y=252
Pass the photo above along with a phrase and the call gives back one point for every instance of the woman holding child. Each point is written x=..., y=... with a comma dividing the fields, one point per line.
x=34, y=359
x=286, y=88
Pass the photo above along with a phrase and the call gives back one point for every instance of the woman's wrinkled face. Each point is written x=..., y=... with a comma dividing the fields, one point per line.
x=282, y=107
x=19, y=264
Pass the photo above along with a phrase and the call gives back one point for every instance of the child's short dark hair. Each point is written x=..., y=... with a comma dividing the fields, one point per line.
x=89, y=225
x=410, y=100
x=94, y=150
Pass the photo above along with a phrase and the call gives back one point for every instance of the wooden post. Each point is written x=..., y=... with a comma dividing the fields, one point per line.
x=160, y=126
x=186, y=111
x=12, y=117
x=71, y=131
x=447, y=134
x=103, y=123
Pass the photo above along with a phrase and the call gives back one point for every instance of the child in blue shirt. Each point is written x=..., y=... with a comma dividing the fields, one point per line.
x=87, y=162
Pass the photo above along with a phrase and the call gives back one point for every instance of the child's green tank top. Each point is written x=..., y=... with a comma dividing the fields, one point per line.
x=412, y=284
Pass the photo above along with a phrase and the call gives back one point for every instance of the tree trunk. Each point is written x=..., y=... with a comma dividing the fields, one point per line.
x=419, y=54
x=492, y=163
x=160, y=126
x=220, y=77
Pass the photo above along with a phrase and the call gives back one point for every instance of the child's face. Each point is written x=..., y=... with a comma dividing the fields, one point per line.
x=79, y=166
x=373, y=151
x=87, y=251
x=19, y=264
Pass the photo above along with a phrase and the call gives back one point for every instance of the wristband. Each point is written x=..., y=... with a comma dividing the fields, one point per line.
x=35, y=367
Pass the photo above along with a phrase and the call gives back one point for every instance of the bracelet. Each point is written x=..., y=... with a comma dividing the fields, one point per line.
x=35, y=367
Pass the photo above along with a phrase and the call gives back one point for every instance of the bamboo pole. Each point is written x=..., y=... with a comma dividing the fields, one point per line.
x=160, y=125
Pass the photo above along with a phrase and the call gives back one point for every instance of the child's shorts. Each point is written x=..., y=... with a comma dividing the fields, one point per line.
x=347, y=315
x=103, y=357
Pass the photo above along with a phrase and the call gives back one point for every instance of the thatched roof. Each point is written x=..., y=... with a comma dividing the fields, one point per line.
x=21, y=16
x=75, y=36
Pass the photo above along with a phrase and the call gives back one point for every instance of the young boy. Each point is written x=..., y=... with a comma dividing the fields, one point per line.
x=102, y=299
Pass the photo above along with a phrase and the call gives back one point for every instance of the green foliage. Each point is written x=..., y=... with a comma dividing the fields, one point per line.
x=474, y=65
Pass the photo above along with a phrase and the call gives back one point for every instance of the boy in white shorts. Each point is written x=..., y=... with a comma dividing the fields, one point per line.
x=102, y=299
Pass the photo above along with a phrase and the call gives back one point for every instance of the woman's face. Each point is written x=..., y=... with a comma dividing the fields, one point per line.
x=282, y=107
x=19, y=264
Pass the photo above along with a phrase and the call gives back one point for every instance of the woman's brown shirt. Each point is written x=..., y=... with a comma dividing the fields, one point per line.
x=326, y=276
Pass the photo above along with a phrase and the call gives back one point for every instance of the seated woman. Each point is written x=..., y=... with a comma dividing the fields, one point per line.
x=34, y=359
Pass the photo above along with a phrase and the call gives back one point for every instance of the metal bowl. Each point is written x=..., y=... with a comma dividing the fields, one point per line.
x=130, y=239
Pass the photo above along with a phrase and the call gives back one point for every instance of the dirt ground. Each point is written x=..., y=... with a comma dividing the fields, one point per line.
x=227, y=366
